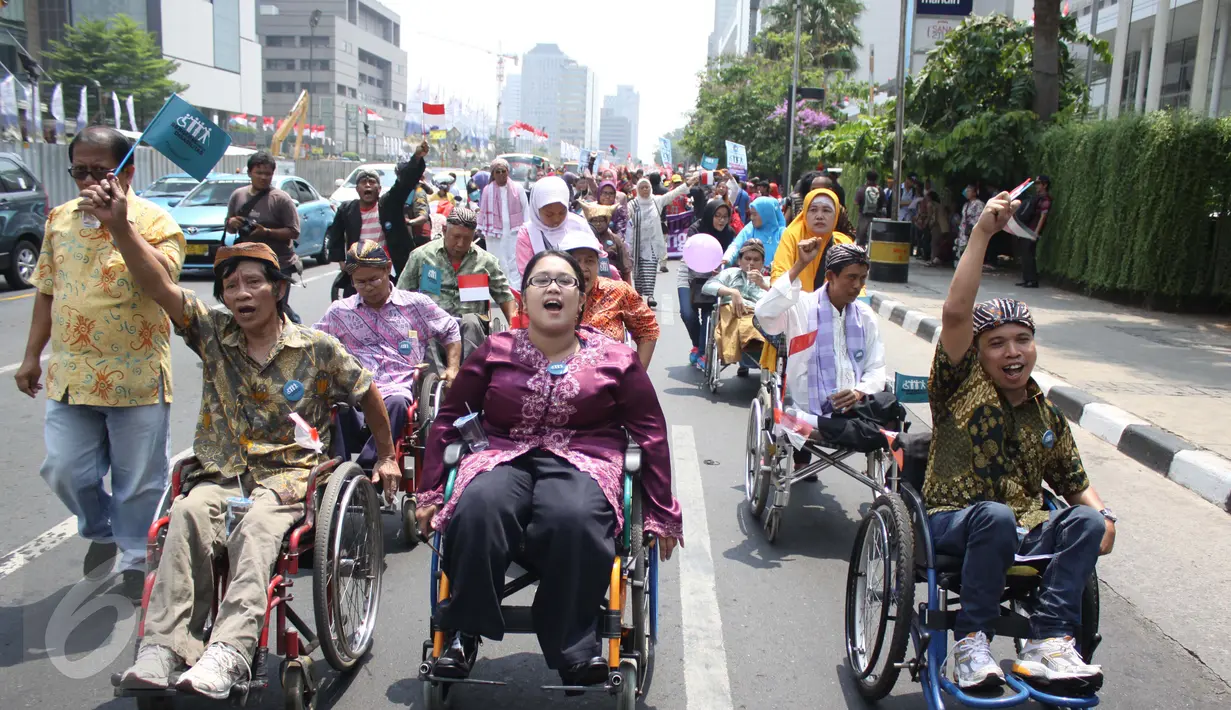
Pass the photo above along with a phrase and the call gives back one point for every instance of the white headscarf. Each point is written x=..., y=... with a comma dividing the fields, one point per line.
x=644, y=201
x=549, y=191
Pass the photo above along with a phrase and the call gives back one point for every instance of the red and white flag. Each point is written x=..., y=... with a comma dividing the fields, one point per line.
x=373, y=116
x=473, y=287
x=433, y=109
x=269, y=123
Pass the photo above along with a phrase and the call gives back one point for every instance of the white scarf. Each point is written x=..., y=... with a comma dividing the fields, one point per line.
x=549, y=191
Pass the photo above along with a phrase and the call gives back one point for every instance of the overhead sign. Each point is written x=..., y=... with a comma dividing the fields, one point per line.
x=952, y=8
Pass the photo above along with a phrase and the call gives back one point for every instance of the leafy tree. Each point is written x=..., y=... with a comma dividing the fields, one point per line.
x=121, y=57
x=1047, y=57
x=829, y=26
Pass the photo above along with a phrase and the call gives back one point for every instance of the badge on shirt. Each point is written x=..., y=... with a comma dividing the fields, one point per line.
x=293, y=390
x=604, y=267
x=89, y=221
x=859, y=356
x=1049, y=439
x=429, y=280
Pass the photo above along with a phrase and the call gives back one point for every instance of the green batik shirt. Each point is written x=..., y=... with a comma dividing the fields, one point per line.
x=984, y=450
x=430, y=272
x=245, y=426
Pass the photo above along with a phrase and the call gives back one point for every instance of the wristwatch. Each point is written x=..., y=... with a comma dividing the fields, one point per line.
x=1107, y=513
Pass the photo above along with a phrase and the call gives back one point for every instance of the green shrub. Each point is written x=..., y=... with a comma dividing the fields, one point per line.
x=1142, y=209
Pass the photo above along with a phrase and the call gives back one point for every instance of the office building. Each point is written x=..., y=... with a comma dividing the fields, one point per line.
x=351, y=64
x=620, y=117
x=558, y=97
x=213, y=41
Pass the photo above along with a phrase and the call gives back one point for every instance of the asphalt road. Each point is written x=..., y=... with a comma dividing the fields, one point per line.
x=745, y=624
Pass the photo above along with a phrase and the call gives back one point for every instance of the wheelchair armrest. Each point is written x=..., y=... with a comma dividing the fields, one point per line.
x=632, y=458
x=454, y=453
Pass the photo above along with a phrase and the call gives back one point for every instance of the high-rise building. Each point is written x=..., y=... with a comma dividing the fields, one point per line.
x=558, y=97
x=621, y=115
x=351, y=63
x=214, y=42
x=510, y=101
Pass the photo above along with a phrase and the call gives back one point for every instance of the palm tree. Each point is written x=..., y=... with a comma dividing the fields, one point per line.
x=1046, y=57
x=830, y=25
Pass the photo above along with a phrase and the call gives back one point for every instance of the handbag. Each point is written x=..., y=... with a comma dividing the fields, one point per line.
x=698, y=298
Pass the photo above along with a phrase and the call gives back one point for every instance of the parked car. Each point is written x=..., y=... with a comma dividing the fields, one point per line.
x=23, y=219
x=202, y=215
x=345, y=189
x=168, y=190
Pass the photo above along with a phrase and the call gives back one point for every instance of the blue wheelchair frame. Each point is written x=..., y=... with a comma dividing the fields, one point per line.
x=630, y=664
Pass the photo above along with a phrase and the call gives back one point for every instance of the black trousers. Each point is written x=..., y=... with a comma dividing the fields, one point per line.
x=550, y=518
x=1026, y=249
x=350, y=427
x=289, y=272
x=858, y=428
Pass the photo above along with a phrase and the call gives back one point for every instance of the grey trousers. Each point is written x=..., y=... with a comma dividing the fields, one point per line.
x=184, y=586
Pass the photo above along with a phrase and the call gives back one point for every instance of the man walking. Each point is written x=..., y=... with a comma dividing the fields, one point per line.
x=503, y=209
x=1036, y=218
x=869, y=200
x=264, y=214
x=109, y=374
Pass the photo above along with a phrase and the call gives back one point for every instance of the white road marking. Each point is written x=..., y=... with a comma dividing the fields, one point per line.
x=14, y=366
x=707, y=684
x=66, y=529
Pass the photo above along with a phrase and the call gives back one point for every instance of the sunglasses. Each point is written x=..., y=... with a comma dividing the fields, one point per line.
x=80, y=172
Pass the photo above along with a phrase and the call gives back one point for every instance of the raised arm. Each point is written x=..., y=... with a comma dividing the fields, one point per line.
x=408, y=179
x=957, y=317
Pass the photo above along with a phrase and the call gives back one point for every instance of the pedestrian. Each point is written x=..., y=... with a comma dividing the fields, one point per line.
x=261, y=213
x=645, y=234
x=715, y=220
x=547, y=224
x=503, y=209
x=870, y=202
x=941, y=251
x=723, y=190
x=766, y=225
x=1034, y=216
x=609, y=195
x=909, y=200
x=921, y=228
x=970, y=217
x=109, y=374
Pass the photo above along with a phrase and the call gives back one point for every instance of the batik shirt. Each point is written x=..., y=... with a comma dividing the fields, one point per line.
x=983, y=449
x=245, y=426
x=390, y=341
x=110, y=342
x=432, y=259
x=613, y=307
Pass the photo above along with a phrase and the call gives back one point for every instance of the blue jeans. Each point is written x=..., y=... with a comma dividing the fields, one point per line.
x=83, y=443
x=985, y=536
x=696, y=320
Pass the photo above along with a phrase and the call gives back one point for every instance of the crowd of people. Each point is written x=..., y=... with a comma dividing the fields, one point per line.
x=572, y=267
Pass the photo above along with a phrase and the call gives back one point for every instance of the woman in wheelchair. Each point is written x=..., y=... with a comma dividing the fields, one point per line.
x=556, y=400
x=836, y=366
x=614, y=308
x=995, y=440
x=739, y=289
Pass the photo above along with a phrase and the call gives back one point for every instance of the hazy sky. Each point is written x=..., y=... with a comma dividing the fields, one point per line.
x=657, y=46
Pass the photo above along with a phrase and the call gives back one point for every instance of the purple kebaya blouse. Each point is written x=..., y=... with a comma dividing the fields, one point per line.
x=580, y=416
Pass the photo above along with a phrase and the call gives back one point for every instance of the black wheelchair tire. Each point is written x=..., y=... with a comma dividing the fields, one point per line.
x=892, y=509
x=329, y=516
x=756, y=471
x=435, y=695
x=155, y=703
x=423, y=413
x=295, y=690
x=410, y=532
x=640, y=599
x=1089, y=637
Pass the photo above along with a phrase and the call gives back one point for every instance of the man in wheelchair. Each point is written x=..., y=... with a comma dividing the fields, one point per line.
x=996, y=439
x=835, y=369
x=461, y=278
x=387, y=330
x=259, y=369
x=739, y=289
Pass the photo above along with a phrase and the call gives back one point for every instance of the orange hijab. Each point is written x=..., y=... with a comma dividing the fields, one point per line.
x=797, y=231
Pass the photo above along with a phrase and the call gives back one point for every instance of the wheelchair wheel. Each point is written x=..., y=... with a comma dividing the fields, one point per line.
x=430, y=395
x=296, y=690
x=435, y=695
x=878, y=470
x=410, y=532
x=347, y=566
x=642, y=640
x=758, y=463
x=626, y=698
x=880, y=592
x=713, y=366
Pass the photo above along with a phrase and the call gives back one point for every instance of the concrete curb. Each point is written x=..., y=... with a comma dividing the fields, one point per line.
x=1205, y=473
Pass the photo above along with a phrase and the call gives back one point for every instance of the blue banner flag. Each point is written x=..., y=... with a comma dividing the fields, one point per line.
x=186, y=137
x=708, y=163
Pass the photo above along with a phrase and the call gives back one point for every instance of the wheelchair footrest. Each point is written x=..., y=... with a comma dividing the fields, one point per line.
x=517, y=619
x=461, y=681
x=1042, y=696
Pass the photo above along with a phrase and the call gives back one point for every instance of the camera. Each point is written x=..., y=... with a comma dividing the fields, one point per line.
x=244, y=233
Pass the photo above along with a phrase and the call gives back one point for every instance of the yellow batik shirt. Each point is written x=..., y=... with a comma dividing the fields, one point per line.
x=983, y=449
x=245, y=426
x=110, y=342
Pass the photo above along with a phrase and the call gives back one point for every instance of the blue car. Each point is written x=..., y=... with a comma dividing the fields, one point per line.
x=202, y=215
x=169, y=189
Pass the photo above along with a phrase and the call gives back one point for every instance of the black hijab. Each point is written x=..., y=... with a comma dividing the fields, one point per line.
x=705, y=225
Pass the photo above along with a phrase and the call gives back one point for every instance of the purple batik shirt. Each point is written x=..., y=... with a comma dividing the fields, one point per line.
x=580, y=416
x=390, y=341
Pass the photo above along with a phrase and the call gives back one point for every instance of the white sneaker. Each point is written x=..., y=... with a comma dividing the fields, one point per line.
x=1055, y=661
x=973, y=665
x=219, y=669
x=153, y=669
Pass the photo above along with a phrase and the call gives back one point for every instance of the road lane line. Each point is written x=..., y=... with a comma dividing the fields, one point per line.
x=14, y=298
x=65, y=530
x=707, y=685
x=14, y=366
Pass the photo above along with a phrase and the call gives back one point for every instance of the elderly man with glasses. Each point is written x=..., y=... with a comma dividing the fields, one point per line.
x=503, y=209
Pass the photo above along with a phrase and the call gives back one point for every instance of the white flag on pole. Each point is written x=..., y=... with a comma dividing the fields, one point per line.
x=82, y=112
x=132, y=121
x=57, y=108
x=115, y=109
x=8, y=102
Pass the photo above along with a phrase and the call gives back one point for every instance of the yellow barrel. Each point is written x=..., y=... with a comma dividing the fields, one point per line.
x=890, y=250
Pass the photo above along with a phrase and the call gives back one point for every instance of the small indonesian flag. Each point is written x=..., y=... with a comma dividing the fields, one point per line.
x=473, y=287
x=792, y=424
x=433, y=109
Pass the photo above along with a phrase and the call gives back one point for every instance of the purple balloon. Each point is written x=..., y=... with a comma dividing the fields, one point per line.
x=702, y=253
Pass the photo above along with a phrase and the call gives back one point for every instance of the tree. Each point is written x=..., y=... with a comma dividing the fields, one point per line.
x=829, y=26
x=121, y=57
x=1046, y=57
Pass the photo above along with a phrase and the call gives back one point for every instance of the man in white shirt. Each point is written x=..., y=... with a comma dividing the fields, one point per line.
x=503, y=209
x=835, y=369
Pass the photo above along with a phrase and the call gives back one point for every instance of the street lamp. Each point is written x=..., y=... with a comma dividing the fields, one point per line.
x=313, y=21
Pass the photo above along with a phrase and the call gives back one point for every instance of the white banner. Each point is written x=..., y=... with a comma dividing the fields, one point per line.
x=82, y=113
x=8, y=102
x=664, y=152
x=132, y=121
x=115, y=109
x=57, y=108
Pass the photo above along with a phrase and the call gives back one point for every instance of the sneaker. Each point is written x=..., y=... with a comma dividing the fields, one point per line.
x=1055, y=662
x=702, y=363
x=153, y=669
x=973, y=665
x=651, y=303
x=99, y=560
x=692, y=357
x=220, y=668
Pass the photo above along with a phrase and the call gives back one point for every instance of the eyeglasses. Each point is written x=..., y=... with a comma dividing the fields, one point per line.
x=562, y=280
x=80, y=172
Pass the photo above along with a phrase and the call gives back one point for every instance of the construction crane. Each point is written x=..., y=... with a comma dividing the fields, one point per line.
x=298, y=116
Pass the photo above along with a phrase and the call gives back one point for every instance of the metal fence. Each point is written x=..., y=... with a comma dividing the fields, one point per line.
x=50, y=164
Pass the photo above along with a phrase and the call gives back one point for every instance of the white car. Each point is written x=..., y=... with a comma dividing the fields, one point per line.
x=346, y=191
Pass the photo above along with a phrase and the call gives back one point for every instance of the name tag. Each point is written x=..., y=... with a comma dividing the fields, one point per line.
x=429, y=280
x=604, y=267
x=89, y=221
